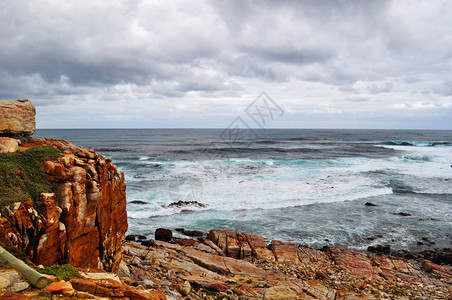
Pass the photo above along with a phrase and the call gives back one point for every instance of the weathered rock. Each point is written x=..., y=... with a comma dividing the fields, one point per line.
x=285, y=252
x=307, y=255
x=8, y=145
x=437, y=270
x=102, y=287
x=83, y=222
x=61, y=288
x=280, y=292
x=353, y=261
x=259, y=247
x=17, y=117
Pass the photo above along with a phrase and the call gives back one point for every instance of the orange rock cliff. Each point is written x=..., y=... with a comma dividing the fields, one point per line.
x=83, y=221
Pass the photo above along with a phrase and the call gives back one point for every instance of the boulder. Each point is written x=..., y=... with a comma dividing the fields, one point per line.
x=163, y=234
x=8, y=145
x=17, y=117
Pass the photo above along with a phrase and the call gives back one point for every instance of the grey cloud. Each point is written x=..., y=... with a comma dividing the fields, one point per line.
x=109, y=50
x=377, y=89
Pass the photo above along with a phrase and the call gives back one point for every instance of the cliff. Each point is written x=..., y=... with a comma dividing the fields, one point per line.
x=81, y=220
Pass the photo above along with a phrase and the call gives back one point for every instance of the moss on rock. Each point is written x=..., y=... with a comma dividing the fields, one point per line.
x=22, y=175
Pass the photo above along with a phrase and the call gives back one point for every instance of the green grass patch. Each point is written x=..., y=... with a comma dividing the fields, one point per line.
x=22, y=175
x=63, y=272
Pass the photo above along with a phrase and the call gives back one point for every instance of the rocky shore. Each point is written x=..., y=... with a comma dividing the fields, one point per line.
x=232, y=265
x=66, y=205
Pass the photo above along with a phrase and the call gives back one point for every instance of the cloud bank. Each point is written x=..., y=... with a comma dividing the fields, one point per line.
x=344, y=64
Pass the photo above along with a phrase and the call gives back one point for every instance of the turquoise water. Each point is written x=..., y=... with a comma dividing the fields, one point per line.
x=306, y=186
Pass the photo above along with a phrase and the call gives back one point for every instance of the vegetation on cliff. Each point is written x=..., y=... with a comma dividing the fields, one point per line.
x=22, y=175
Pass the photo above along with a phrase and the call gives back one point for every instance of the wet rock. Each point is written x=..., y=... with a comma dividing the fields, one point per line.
x=379, y=249
x=180, y=204
x=425, y=239
x=130, y=238
x=163, y=234
x=402, y=214
x=148, y=243
x=193, y=233
x=138, y=202
x=370, y=204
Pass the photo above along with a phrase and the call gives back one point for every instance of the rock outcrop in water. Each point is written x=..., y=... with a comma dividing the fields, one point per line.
x=82, y=222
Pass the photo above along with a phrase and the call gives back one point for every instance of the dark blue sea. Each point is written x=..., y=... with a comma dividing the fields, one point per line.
x=305, y=186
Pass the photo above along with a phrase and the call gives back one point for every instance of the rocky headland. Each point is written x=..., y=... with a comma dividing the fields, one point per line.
x=66, y=205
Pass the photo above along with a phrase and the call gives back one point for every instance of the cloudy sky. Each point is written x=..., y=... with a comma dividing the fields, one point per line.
x=135, y=64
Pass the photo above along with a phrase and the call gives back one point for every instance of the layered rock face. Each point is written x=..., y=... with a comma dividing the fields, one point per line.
x=83, y=222
x=17, y=117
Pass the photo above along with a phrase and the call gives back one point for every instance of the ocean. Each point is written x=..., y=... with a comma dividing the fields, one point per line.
x=301, y=185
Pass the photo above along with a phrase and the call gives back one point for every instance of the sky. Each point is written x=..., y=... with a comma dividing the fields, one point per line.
x=196, y=64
